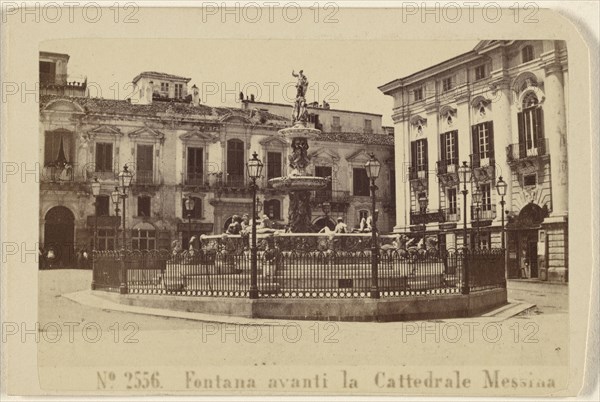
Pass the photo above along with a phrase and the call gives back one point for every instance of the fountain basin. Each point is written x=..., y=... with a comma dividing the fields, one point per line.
x=299, y=183
x=299, y=131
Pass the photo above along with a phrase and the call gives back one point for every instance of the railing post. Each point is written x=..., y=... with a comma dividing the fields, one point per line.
x=123, y=285
x=94, y=273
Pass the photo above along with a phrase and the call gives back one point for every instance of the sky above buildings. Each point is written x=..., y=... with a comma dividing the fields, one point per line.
x=344, y=73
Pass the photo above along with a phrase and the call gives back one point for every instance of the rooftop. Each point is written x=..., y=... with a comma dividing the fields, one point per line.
x=158, y=75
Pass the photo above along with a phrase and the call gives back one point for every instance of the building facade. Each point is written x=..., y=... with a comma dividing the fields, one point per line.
x=502, y=109
x=177, y=147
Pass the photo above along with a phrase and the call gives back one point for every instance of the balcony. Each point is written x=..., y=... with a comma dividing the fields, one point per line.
x=486, y=214
x=527, y=151
x=235, y=181
x=451, y=215
x=484, y=166
x=417, y=173
x=103, y=221
x=422, y=218
x=193, y=180
x=447, y=172
x=143, y=177
x=332, y=196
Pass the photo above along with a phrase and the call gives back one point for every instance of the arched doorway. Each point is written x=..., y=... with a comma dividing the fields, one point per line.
x=524, y=252
x=59, y=236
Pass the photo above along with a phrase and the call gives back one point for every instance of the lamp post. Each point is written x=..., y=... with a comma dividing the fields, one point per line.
x=95, y=192
x=477, y=203
x=464, y=175
x=190, y=203
x=125, y=177
x=115, y=197
x=501, y=189
x=254, y=167
x=372, y=167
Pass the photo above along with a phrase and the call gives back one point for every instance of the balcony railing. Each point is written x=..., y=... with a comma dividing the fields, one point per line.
x=193, y=179
x=337, y=196
x=416, y=173
x=143, y=177
x=486, y=213
x=236, y=181
x=532, y=149
x=481, y=160
x=420, y=218
x=451, y=214
x=447, y=166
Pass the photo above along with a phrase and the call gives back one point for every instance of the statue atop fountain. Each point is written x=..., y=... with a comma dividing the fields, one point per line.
x=298, y=183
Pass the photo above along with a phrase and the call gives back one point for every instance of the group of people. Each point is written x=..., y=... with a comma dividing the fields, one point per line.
x=242, y=225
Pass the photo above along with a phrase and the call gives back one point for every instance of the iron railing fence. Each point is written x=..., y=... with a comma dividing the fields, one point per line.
x=321, y=267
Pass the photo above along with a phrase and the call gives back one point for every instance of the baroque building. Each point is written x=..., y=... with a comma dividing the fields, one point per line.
x=177, y=147
x=501, y=108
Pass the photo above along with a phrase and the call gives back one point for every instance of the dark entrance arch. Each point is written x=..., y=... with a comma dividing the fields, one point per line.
x=320, y=223
x=59, y=236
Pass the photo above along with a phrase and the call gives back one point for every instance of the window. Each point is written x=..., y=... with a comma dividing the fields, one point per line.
x=451, y=201
x=529, y=180
x=143, y=239
x=480, y=72
x=104, y=155
x=363, y=214
x=145, y=164
x=274, y=165
x=143, y=206
x=360, y=182
x=105, y=239
x=419, y=155
x=164, y=87
x=195, y=166
x=47, y=72
x=336, y=123
x=59, y=146
x=418, y=94
x=273, y=209
x=196, y=212
x=446, y=84
x=527, y=54
x=102, y=205
x=368, y=127
x=449, y=145
x=531, y=126
x=486, y=197
x=178, y=91
x=483, y=138
x=235, y=163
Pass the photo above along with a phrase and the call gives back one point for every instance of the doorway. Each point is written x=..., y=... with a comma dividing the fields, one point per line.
x=527, y=251
x=59, y=236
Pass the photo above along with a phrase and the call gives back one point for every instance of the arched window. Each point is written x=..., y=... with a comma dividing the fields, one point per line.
x=235, y=163
x=531, y=127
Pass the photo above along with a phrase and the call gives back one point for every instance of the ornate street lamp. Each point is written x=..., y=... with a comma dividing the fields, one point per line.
x=373, y=167
x=477, y=195
x=501, y=189
x=189, y=203
x=125, y=177
x=464, y=175
x=254, y=167
x=95, y=192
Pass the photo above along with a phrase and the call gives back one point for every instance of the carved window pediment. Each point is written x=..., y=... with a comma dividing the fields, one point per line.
x=359, y=157
x=147, y=133
x=200, y=136
x=104, y=131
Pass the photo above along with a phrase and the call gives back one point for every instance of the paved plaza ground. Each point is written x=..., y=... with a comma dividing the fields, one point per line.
x=539, y=334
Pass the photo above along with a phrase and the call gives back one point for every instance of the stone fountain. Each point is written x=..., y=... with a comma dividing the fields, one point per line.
x=298, y=183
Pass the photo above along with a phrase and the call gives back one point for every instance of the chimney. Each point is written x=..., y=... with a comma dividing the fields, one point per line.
x=251, y=97
x=195, y=95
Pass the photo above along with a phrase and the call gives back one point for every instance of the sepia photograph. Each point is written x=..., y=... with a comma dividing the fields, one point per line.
x=300, y=214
